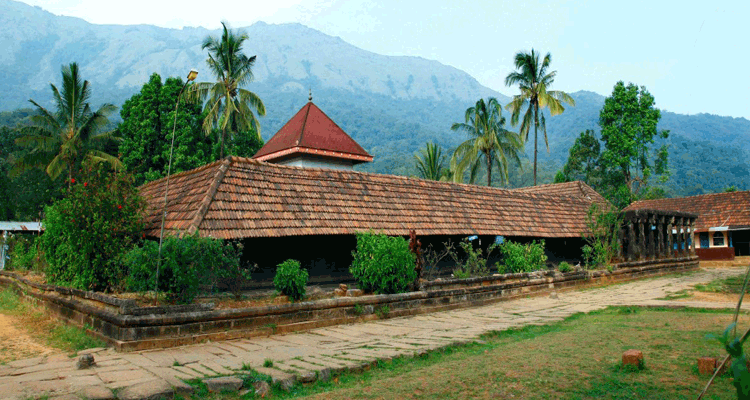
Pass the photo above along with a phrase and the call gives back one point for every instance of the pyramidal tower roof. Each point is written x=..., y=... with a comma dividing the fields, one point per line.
x=312, y=132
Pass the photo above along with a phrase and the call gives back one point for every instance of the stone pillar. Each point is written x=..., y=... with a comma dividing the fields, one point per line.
x=641, y=238
x=651, y=246
x=631, y=240
x=660, y=245
x=670, y=241
x=620, y=232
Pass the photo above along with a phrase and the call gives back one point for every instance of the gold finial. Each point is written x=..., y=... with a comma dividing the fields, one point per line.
x=310, y=98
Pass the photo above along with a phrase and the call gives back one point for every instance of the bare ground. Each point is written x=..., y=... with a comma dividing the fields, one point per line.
x=17, y=343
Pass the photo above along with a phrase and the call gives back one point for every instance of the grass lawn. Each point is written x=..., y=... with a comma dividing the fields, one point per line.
x=28, y=331
x=575, y=359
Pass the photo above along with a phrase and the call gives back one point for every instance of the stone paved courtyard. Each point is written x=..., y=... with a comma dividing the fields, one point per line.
x=299, y=356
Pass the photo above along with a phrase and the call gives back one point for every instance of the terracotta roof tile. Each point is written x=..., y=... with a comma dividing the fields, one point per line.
x=713, y=210
x=240, y=197
x=311, y=131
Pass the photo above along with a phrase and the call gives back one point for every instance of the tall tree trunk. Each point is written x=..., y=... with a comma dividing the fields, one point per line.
x=223, y=133
x=489, y=168
x=536, y=125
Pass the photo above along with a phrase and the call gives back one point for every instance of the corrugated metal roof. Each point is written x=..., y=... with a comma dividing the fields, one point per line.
x=20, y=226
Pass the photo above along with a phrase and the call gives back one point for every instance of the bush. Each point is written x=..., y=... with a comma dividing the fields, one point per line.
x=563, y=267
x=519, y=257
x=475, y=263
x=188, y=263
x=87, y=231
x=25, y=254
x=291, y=280
x=383, y=264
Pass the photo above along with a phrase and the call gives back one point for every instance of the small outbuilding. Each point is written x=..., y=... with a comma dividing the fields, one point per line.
x=722, y=227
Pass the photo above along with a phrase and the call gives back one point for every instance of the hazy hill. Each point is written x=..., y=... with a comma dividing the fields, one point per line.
x=391, y=105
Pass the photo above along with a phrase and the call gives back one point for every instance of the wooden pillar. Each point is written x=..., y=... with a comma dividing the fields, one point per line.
x=670, y=242
x=692, y=234
x=681, y=236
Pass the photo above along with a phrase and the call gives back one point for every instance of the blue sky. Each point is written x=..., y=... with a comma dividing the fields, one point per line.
x=691, y=55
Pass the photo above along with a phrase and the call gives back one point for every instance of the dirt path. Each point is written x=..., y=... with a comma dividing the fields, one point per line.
x=16, y=343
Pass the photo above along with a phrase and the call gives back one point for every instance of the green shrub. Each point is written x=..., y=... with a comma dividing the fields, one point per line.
x=25, y=254
x=291, y=279
x=519, y=257
x=383, y=264
x=88, y=230
x=564, y=267
x=475, y=262
x=188, y=263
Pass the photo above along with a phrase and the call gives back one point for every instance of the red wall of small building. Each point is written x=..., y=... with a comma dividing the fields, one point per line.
x=716, y=253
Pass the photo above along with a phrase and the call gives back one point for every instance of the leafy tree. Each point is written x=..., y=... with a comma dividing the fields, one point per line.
x=583, y=161
x=25, y=193
x=431, y=163
x=628, y=120
x=63, y=140
x=534, y=81
x=146, y=129
x=88, y=230
x=488, y=138
x=228, y=107
x=730, y=189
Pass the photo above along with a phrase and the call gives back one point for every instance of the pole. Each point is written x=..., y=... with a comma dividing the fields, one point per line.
x=166, y=193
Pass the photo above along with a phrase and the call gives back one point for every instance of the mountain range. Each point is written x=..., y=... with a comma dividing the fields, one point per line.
x=391, y=105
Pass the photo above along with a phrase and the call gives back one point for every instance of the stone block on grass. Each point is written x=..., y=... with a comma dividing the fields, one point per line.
x=152, y=390
x=706, y=365
x=632, y=357
x=223, y=384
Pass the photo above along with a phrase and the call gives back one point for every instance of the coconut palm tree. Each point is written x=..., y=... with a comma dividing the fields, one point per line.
x=484, y=124
x=533, y=80
x=61, y=140
x=431, y=162
x=229, y=107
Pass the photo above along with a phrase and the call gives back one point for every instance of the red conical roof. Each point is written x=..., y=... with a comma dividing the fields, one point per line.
x=311, y=131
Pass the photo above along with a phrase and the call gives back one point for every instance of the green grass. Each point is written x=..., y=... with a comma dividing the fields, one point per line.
x=730, y=285
x=72, y=339
x=10, y=303
x=578, y=358
x=682, y=294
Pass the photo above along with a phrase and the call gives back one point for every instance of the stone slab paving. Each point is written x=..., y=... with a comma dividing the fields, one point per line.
x=318, y=351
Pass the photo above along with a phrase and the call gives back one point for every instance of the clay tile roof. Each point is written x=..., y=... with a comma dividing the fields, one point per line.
x=242, y=198
x=576, y=189
x=311, y=131
x=714, y=210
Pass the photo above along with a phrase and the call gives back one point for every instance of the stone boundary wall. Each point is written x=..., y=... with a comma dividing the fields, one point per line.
x=128, y=327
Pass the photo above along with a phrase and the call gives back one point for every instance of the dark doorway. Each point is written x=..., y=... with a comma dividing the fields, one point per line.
x=741, y=242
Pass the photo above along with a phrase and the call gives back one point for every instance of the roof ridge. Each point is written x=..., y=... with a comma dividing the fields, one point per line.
x=409, y=181
x=304, y=124
x=178, y=174
x=208, y=198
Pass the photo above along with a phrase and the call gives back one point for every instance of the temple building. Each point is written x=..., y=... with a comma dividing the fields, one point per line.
x=722, y=227
x=299, y=197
